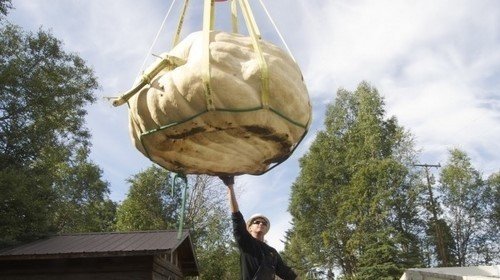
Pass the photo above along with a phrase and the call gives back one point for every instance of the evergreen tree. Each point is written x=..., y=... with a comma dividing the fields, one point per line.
x=303, y=264
x=443, y=245
x=354, y=199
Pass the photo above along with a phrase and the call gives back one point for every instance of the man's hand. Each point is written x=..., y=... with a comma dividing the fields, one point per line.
x=228, y=180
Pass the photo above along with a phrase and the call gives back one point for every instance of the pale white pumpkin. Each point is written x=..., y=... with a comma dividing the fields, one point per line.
x=170, y=122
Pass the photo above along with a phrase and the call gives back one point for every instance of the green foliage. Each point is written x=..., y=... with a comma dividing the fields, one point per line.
x=439, y=234
x=468, y=203
x=25, y=206
x=379, y=261
x=150, y=203
x=45, y=91
x=294, y=254
x=354, y=194
x=211, y=226
x=494, y=185
x=219, y=263
x=44, y=94
x=83, y=204
x=5, y=5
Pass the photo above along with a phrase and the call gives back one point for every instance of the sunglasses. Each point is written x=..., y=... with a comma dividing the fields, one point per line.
x=259, y=222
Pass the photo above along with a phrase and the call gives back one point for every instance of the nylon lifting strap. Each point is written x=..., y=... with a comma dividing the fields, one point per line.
x=177, y=34
x=256, y=37
x=234, y=16
x=208, y=25
x=170, y=63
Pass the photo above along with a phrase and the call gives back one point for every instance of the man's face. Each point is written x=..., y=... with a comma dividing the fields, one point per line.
x=258, y=226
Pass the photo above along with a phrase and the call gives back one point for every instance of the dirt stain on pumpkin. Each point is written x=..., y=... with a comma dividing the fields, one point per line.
x=186, y=134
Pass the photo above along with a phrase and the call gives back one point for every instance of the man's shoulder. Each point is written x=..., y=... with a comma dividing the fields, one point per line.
x=268, y=247
x=237, y=215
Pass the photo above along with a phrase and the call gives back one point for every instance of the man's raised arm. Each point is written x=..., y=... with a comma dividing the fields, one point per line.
x=229, y=182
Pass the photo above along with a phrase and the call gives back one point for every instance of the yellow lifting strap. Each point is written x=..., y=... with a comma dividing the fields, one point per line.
x=177, y=34
x=208, y=25
x=255, y=35
x=234, y=16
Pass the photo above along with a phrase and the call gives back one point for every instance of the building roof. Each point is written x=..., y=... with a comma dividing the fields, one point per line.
x=137, y=243
x=455, y=273
x=107, y=245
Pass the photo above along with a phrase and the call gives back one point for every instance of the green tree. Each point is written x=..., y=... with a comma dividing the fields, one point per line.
x=294, y=255
x=354, y=198
x=439, y=244
x=208, y=217
x=441, y=239
x=152, y=204
x=83, y=203
x=5, y=5
x=467, y=203
x=488, y=251
x=494, y=184
x=45, y=91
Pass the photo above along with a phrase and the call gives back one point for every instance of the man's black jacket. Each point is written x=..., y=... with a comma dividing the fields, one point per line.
x=253, y=251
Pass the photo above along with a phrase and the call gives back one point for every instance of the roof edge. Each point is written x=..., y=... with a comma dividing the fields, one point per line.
x=83, y=255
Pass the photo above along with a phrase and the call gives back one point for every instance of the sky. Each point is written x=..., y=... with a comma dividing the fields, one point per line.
x=435, y=62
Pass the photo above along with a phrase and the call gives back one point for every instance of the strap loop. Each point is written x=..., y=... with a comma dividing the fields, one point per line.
x=255, y=35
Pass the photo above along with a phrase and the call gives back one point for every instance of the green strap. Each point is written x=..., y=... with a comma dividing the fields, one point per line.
x=235, y=111
x=184, y=197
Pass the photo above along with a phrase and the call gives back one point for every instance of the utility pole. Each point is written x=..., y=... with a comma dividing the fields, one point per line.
x=434, y=211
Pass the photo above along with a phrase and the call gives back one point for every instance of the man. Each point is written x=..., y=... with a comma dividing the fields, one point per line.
x=258, y=260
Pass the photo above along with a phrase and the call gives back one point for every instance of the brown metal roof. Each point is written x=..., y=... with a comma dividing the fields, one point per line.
x=100, y=244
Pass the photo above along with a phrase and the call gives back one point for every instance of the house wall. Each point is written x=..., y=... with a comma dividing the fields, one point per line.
x=116, y=268
x=164, y=270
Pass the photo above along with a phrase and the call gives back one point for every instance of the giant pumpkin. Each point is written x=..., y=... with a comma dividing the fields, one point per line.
x=232, y=127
